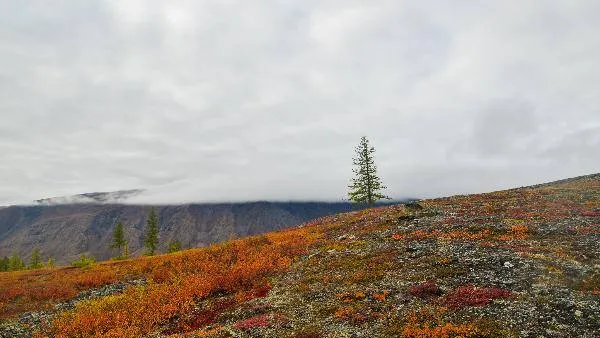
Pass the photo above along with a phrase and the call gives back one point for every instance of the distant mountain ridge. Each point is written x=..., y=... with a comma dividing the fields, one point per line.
x=64, y=231
x=110, y=197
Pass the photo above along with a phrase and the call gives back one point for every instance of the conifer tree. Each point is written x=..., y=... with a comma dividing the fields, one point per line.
x=366, y=186
x=15, y=263
x=35, y=262
x=51, y=263
x=85, y=261
x=119, y=241
x=4, y=264
x=151, y=238
x=174, y=246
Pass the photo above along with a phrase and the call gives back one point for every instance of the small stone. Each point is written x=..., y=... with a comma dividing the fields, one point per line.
x=578, y=313
x=508, y=265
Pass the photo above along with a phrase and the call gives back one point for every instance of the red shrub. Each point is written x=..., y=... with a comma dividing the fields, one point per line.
x=591, y=213
x=425, y=290
x=261, y=290
x=259, y=321
x=202, y=318
x=470, y=295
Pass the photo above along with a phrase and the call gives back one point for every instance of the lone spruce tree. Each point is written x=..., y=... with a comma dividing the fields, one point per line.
x=35, y=262
x=119, y=241
x=366, y=186
x=151, y=239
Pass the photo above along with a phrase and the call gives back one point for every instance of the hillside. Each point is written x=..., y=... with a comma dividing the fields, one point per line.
x=64, y=231
x=518, y=263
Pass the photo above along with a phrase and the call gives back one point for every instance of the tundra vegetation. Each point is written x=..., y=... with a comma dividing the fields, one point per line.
x=515, y=263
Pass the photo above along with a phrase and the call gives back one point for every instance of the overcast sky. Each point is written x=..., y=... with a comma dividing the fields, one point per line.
x=244, y=100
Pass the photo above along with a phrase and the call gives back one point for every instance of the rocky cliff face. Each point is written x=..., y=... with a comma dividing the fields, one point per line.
x=66, y=231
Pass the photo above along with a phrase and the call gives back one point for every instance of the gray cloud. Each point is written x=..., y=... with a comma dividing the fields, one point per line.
x=503, y=127
x=212, y=100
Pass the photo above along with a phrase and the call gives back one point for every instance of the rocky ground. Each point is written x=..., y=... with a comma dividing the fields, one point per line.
x=520, y=263
x=517, y=263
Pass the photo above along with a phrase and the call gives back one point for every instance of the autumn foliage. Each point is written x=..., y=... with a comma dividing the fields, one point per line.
x=259, y=321
x=426, y=289
x=429, y=323
x=470, y=295
x=176, y=282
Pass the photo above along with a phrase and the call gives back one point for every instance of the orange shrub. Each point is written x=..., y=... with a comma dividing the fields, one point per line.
x=348, y=297
x=439, y=330
x=351, y=314
x=429, y=323
x=381, y=296
x=518, y=231
x=178, y=281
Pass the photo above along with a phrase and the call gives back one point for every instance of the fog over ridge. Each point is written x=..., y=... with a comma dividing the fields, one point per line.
x=236, y=101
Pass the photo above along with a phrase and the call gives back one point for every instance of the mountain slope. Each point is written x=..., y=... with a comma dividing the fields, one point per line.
x=65, y=231
x=516, y=263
